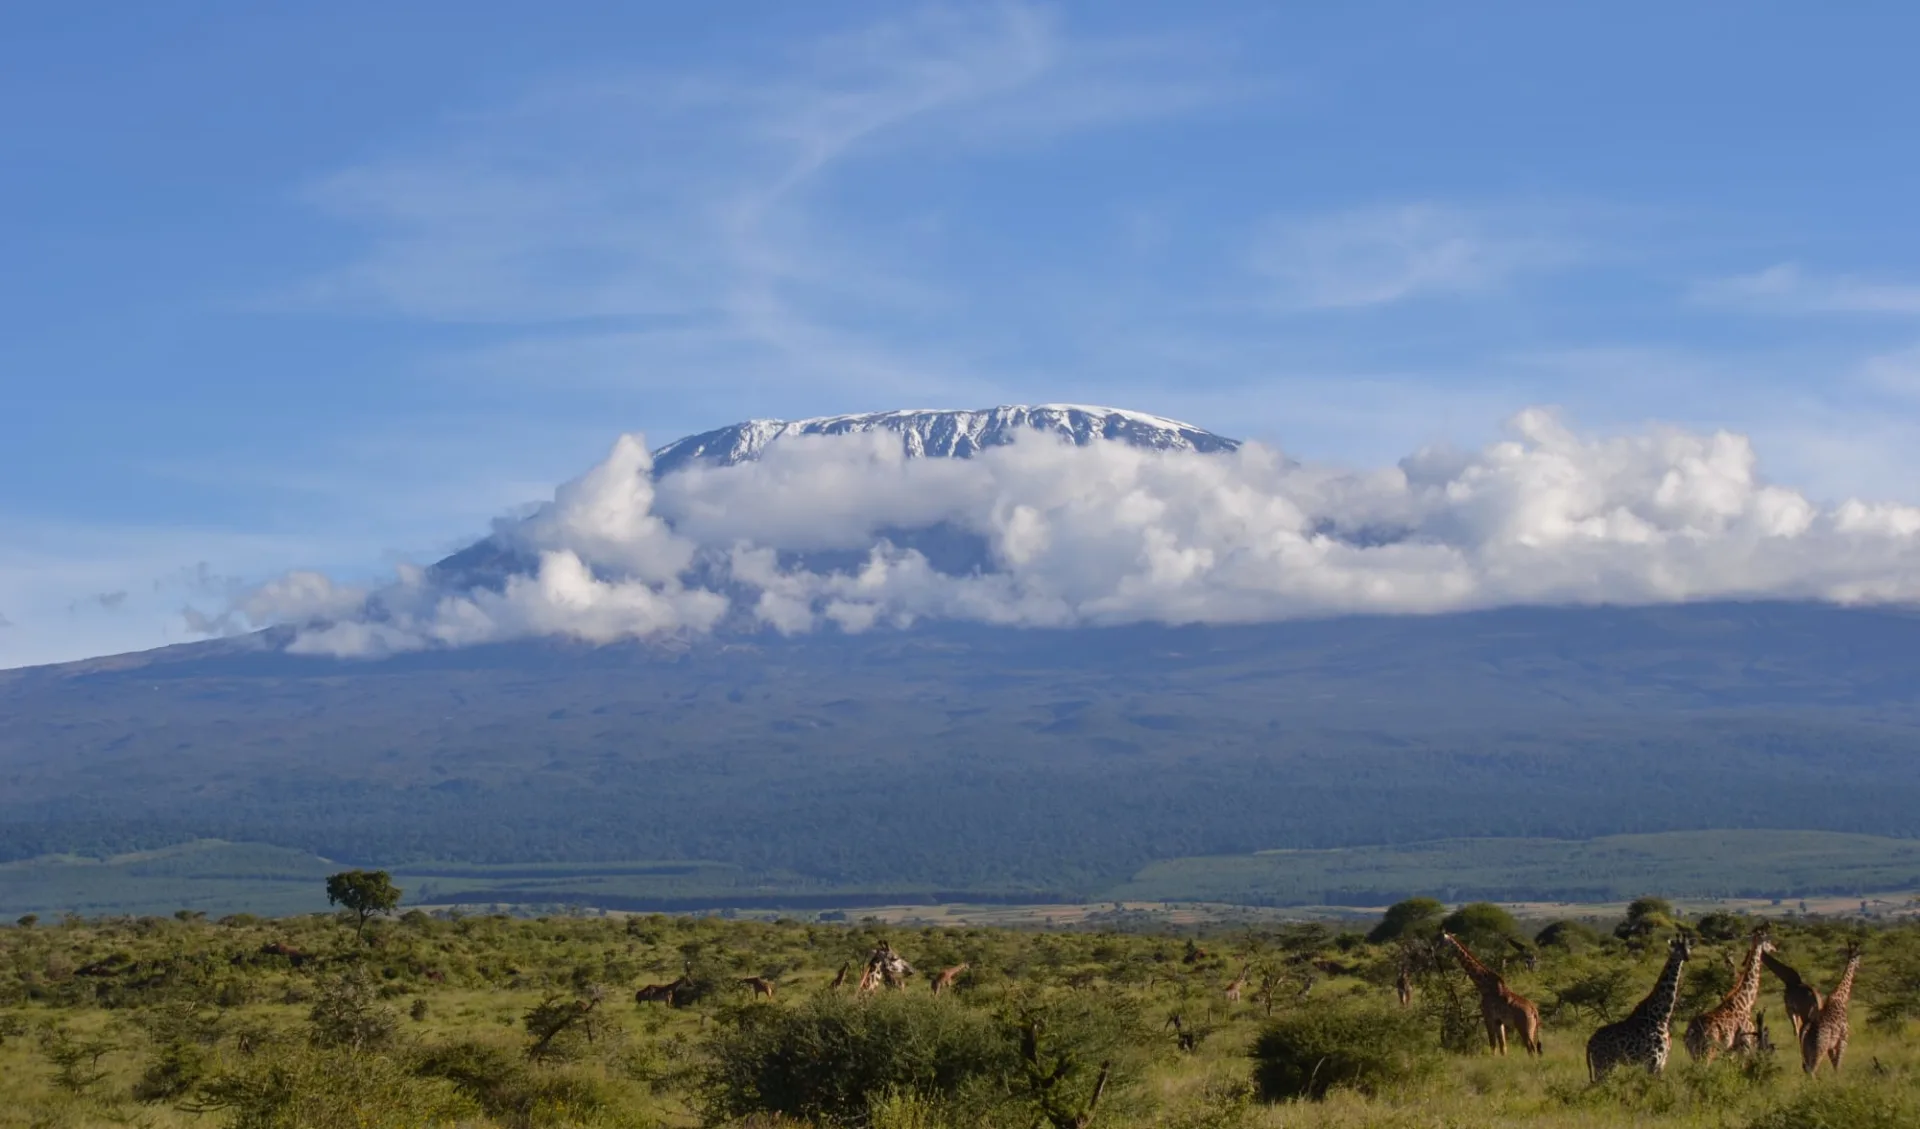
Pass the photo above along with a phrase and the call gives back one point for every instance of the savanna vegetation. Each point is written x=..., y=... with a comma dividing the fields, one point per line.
x=375, y=1016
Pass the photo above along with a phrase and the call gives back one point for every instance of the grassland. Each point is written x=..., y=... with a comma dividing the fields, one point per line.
x=175, y=1023
x=220, y=878
x=1700, y=864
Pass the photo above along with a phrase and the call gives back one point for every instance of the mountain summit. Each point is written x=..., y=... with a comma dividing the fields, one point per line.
x=924, y=433
x=945, y=433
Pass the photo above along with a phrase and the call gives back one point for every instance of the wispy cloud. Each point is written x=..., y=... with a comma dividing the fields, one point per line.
x=1897, y=372
x=700, y=221
x=1384, y=255
x=1787, y=289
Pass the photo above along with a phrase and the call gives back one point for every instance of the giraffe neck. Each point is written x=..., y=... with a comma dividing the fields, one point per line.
x=1746, y=987
x=1658, y=1006
x=1843, y=992
x=1486, y=979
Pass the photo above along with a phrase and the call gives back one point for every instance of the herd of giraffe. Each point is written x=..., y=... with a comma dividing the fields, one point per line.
x=1645, y=1037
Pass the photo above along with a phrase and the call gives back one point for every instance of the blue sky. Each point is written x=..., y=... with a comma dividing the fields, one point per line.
x=331, y=287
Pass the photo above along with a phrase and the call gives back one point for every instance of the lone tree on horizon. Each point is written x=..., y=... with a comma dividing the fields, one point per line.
x=365, y=892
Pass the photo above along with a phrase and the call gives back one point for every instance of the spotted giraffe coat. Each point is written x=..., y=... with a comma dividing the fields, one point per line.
x=1825, y=1034
x=1644, y=1038
x=1720, y=1028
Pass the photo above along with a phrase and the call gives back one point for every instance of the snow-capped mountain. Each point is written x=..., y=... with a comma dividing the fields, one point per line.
x=929, y=433
x=945, y=434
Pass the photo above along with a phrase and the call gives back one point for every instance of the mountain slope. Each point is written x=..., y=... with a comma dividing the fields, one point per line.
x=972, y=758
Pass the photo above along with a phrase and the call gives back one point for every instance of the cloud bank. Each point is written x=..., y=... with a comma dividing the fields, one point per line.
x=817, y=536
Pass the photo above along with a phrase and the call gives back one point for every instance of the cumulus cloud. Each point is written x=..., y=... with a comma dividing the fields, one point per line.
x=821, y=535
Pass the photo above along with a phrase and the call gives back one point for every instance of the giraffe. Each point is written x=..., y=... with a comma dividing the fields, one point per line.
x=1721, y=1026
x=654, y=993
x=1239, y=982
x=1644, y=1037
x=761, y=986
x=1500, y=1006
x=840, y=977
x=1802, y=999
x=1403, y=985
x=884, y=967
x=1826, y=1032
x=944, y=981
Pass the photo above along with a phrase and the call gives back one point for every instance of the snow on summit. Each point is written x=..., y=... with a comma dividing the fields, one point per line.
x=946, y=433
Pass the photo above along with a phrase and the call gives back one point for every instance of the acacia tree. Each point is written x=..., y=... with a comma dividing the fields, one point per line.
x=1410, y=918
x=365, y=892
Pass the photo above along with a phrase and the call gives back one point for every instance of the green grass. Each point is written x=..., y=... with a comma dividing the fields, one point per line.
x=480, y=976
x=208, y=875
x=220, y=878
x=1693, y=864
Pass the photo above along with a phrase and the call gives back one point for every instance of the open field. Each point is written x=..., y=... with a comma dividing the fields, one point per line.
x=435, y=1021
x=1750, y=869
x=1697, y=864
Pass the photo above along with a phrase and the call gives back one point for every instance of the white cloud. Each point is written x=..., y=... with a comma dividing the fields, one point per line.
x=1380, y=256
x=1785, y=288
x=1110, y=534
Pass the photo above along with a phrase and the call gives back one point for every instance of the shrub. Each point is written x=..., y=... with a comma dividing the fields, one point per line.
x=1484, y=926
x=1602, y=990
x=509, y=1091
x=175, y=1069
x=1645, y=916
x=1844, y=1107
x=1413, y=917
x=327, y=1089
x=1569, y=935
x=346, y=1013
x=1720, y=926
x=831, y=1058
x=1359, y=1046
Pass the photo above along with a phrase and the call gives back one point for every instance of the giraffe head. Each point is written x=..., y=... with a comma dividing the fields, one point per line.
x=1681, y=946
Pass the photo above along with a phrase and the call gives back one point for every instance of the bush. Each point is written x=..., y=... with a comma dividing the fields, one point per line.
x=1569, y=935
x=175, y=1069
x=1645, y=916
x=1358, y=1046
x=346, y=1013
x=1844, y=1107
x=1485, y=927
x=832, y=1058
x=510, y=1091
x=1720, y=926
x=1411, y=918
x=327, y=1089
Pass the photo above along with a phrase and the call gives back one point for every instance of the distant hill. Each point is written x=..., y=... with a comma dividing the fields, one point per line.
x=967, y=758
